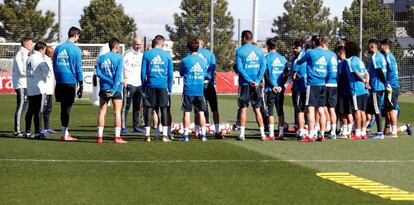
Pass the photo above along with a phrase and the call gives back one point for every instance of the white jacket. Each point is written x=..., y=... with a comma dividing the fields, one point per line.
x=132, y=67
x=50, y=78
x=19, y=68
x=37, y=72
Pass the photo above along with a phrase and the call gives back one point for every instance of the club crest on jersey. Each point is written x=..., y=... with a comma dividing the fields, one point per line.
x=157, y=60
x=252, y=57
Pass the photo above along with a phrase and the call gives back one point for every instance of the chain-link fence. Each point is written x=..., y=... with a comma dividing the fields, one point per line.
x=393, y=19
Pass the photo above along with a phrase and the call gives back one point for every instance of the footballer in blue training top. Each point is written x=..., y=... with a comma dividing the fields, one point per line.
x=250, y=63
x=67, y=65
x=276, y=75
x=157, y=77
x=109, y=69
x=194, y=70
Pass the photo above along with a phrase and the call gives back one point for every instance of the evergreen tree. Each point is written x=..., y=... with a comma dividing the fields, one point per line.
x=20, y=18
x=194, y=21
x=104, y=19
x=302, y=19
x=377, y=21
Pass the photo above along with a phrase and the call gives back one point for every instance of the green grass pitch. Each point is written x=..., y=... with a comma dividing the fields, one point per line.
x=216, y=172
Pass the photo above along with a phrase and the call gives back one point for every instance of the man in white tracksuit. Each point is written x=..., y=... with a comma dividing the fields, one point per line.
x=37, y=72
x=19, y=82
x=132, y=85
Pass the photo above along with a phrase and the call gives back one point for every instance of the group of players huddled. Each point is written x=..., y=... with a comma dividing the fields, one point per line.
x=325, y=84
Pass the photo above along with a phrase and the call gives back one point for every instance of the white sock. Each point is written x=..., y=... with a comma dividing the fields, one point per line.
x=317, y=127
x=203, y=131
x=147, y=131
x=262, y=132
x=281, y=130
x=358, y=132
x=364, y=131
x=349, y=130
x=333, y=129
x=100, y=131
x=217, y=128
x=394, y=130
x=322, y=133
x=117, y=132
x=165, y=131
x=160, y=128
x=312, y=134
x=271, y=130
x=65, y=132
x=185, y=131
x=328, y=126
x=242, y=129
x=403, y=128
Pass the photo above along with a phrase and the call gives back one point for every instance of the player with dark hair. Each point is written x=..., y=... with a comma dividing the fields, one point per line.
x=378, y=76
x=276, y=75
x=194, y=70
x=250, y=67
x=157, y=77
x=19, y=82
x=359, y=84
x=67, y=65
x=300, y=83
x=37, y=71
x=109, y=70
x=316, y=72
x=295, y=44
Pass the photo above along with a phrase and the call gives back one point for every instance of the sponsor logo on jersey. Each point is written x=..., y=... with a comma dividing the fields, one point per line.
x=157, y=60
x=252, y=57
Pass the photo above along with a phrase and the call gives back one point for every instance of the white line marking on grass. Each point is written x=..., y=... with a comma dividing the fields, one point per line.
x=201, y=161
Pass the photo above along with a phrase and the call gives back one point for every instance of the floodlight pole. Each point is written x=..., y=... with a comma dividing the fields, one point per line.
x=212, y=27
x=361, y=13
x=255, y=19
x=60, y=20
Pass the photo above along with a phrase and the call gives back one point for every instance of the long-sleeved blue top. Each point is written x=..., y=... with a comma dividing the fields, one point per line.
x=317, y=66
x=194, y=70
x=67, y=63
x=109, y=68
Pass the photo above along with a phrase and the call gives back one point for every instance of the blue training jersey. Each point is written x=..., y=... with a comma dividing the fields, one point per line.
x=344, y=87
x=109, y=68
x=356, y=65
x=276, y=67
x=376, y=62
x=250, y=64
x=300, y=82
x=317, y=65
x=392, y=70
x=157, y=69
x=210, y=59
x=194, y=70
x=67, y=63
x=332, y=75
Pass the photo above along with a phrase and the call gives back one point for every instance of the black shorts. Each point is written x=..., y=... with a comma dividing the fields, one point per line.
x=389, y=106
x=156, y=97
x=275, y=100
x=360, y=102
x=345, y=105
x=300, y=102
x=331, y=97
x=249, y=94
x=65, y=93
x=374, y=102
x=316, y=96
x=188, y=101
x=211, y=97
x=117, y=96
